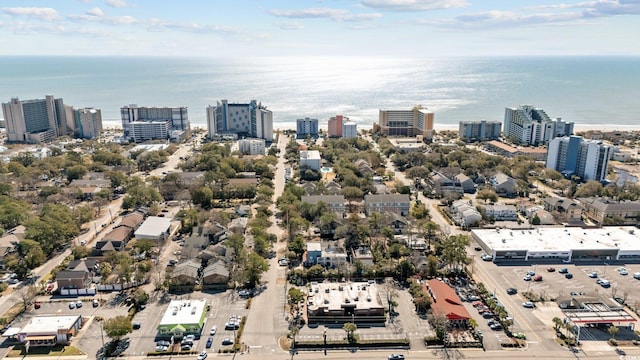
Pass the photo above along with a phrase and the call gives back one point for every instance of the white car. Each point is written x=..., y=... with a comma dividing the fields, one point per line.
x=202, y=355
x=160, y=348
x=623, y=272
x=528, y=305
x=213, y=330
x=527, y=278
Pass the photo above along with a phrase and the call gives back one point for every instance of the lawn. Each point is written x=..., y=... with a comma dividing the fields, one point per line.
x=58, y=350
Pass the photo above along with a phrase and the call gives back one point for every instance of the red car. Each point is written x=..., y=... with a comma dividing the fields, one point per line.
x=37, y=305
x=537, y=278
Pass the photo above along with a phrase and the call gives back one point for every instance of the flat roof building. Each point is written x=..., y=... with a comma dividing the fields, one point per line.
x=567, y=244
x=183, y=317
x=50, y=330
x=357, y=302
x=155, y=228
x=406, y=122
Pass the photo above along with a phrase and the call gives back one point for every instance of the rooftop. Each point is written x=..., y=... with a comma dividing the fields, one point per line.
x=310, y=154
x=335, y=296
x=184, y=312
x=49, y=324
x=154, y=226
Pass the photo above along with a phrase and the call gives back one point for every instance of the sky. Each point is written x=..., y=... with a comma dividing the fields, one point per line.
x=261, y=28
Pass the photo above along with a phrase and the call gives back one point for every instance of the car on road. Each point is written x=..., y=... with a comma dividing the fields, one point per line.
x=563, y=270
x=137, y=325
x=486, y=257
x=227, y=341
x=528, y=305
x=495, y=327
x=395, y=357
x=568, y=275
x=477, y=248
x=213, y=330
x=202, y=355
x=209, y=342
x=593, y=274
x=512, y=291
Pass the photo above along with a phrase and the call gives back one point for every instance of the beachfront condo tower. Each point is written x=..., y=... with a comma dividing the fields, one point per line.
x=479, y=130
x=417, y=121
x=573, y=155
x=141, y=123
x=527, y=125
x=306, y=127
x=35, y=121
x=239, y=120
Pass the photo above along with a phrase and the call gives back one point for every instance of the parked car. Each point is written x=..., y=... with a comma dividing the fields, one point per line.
x=531, y=273
x=486, y=257
x=520, y=336
x=95, y=303
x=528, y=304
x=244, y=293
x=636, y=275
x=623, y=272
x=477, y=248
x=488, y=315
x=495, y=327
x=209, y=342
x=161, y=348
x=537, y=278
x=202, y=355
x=213, y=330
x=185, y=347
x=72, y=305
x=527, y=278
x=79, y=304
x=227, y=341
x=37, y=305
x=568, y=275
x=551, y=269
x=137, y=325
x=563, y=270
x=594, y=274
x=395, y=357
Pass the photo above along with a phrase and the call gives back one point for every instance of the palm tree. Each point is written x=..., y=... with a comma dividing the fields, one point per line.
x=557, y=323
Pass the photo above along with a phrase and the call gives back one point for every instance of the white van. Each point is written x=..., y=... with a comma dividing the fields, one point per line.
x=636, y=275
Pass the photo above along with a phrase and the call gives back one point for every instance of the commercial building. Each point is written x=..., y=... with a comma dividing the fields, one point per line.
x=88, y=122
x=335, y=125
x=446, y=303
x=155, y=228
x=573, y=155
x=306, y=127
x=239, y=119
x=183, y=317
x=35, y=121
x=567, y=244
x=479, y=130
x=141, y=123
x=357, y=302
x=406, y=122
x=310, y=159
x=251, y=146
x=528, y=125
x=50, y=330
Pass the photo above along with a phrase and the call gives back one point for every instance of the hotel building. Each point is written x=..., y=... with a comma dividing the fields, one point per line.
x=306, y=127
x=527, y=125
x=35, y=121
x=247, y=119
x=573, y=155
x=479, y=130
x=411, y=122
x=141, y=123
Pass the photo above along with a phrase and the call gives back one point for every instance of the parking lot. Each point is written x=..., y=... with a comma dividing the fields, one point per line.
x=536, y=322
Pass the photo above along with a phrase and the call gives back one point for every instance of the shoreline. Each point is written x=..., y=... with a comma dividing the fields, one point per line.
x=437, y=127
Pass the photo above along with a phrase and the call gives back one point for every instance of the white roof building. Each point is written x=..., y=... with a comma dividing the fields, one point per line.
x=154, y=228
x=183, y=317
x=50, y=330
x=569, y=244
x=310, y=159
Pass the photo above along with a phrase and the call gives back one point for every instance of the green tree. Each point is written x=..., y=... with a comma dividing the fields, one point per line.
x=432, y=265
x=76, y=172
x=297, y=245
x=117, y=327
x=350, y=329
x=535, y=220
x=613, y=331
x=487, y=194
x=294, y=298
x=31, y=253
x=80, y=252
x=254, y=266
x=203, y=197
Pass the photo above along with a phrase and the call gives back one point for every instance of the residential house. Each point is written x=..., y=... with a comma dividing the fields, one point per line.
x=314, y=251
x=443, y=186
x=73, y=279
x=563, y=209
x=606, y=211
x=309, y=188
x=503, y=185
x=186, y=273
x=468, y=186
x=334, y=203
x=238, y=225
x=8, y=245
x=363, y=255
x=243, y=210
x=501, y=212
x=394, y=203
x=193, y=246
x=216, y=274
x=397, y=223
x=364, y=167
x=332, y=257
x=332, y=188
x=464, y=214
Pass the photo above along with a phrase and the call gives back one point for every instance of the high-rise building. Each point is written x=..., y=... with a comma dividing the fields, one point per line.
x=479, y=130
x=349, y=129
x=403, y=122
x=335, y=125
x=573, y=155
x=88, y=122
x=528, y=125
x=249, y=119
x=141, y=123
x=251, y=146
x=35, y=121
x=306, y=127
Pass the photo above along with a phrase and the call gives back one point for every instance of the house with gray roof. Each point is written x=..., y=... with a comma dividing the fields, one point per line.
x=335, y=203
x=216, y=274
x=503, y=185
x=394, y=203
x=606, y=211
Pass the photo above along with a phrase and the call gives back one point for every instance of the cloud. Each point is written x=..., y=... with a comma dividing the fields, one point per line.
x=117, y=3
x=290, y=25
x=414, y=5
x=160, y=25
x=46, y=14
x=96, y=11
x=329, y=13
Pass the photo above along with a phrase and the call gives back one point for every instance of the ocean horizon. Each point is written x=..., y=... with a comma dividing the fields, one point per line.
x=590, y=91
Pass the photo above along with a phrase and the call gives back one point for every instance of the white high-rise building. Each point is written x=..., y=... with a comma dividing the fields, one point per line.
x=349, y=129
x=251, y=146
x=528, y=125
x=151, y=121
x=88, y=122
x=249, y=119
x=573, y=155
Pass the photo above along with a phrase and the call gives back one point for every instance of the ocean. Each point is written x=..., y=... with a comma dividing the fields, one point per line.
x=587, y=90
